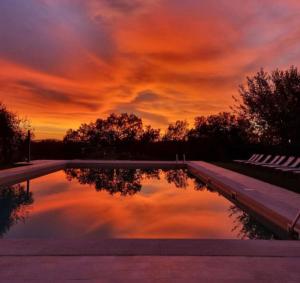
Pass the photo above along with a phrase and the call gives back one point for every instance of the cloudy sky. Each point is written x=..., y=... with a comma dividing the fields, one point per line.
x=64, y=62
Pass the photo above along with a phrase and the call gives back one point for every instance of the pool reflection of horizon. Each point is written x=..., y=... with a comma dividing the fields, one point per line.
x=121, y=203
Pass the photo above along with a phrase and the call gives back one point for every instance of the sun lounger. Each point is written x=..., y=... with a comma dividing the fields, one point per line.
x=272, y=161
x=264, y=160
x=250, y=159
x=277, y=163
x=257, y=159
x=286, y=164
x=292, y=167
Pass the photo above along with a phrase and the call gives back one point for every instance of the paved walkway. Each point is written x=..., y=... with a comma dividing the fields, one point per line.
x=273, y=202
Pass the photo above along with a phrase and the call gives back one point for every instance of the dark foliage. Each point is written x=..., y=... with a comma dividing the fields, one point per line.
x=271, y=103
x=12, y=136
x=13, y=203
x=127, y=182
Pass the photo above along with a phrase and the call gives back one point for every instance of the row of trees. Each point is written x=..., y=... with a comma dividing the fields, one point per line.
x=266, y=112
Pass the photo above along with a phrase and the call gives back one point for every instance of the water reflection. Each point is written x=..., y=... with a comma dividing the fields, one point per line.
x=123, y=181
x=14, y=201
x=155, y=208
x=247, y=227
x=127, y=181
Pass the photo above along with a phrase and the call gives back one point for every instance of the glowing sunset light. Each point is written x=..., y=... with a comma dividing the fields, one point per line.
x=66, y=62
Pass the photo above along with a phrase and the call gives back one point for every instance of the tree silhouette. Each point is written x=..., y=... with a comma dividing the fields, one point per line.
x=177, y=131
x=13, y=203
x=12, y=134
x=115, y=129
x=223, y=127
x=271, y=103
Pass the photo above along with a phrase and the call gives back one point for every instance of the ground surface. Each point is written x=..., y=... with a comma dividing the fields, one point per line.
x=145, y=261
x=149, y=269
x=286, y=180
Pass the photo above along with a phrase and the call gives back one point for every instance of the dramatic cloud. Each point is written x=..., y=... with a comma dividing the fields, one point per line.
x=64, y=62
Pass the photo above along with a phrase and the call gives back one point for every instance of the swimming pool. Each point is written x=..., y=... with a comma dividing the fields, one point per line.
x=98, y=203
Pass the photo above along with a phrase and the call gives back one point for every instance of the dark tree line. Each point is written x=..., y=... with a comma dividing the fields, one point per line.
x=265, y=116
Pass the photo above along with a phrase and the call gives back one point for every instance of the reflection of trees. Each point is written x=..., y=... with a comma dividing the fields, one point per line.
x=248, y=227
x=129, y=181
x=178, y=177
x=13, y=202
x=123, y=180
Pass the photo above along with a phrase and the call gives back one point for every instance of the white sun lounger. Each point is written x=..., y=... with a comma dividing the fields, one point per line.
x=264, y=160
x=276, y=164
x=257, y=159
x=286, y=164
x=292, y=167
x=250, y=159
x=272, y=161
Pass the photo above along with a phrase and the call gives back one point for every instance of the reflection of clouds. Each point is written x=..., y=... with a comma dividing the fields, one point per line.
x=159, y=210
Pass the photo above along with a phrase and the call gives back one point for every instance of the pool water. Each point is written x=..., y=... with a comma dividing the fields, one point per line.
x=99, y=203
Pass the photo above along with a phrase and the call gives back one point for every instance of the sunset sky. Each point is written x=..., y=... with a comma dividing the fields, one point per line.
x=65, y=62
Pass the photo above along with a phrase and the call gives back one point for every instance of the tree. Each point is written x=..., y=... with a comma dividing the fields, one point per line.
x=115, y=129
x=177, y=131
x=223, y=127
x=12, y=134
x=150, y=135
x=271, y=102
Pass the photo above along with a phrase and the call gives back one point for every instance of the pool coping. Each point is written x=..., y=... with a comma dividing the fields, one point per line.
x=252, y=195
x=149, y=247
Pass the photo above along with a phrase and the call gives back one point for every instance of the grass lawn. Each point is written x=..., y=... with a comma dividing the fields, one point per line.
x=286, y=180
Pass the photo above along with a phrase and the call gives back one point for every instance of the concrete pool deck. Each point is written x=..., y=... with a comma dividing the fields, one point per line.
x=133, y=260
x=149, y=261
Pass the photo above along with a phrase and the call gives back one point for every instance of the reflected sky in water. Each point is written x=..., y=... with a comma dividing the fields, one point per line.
x=121, y=203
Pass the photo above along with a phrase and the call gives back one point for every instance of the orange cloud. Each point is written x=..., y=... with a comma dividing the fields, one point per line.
x=66, y=62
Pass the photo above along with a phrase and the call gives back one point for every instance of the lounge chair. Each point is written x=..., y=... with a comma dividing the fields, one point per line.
x=264, y=160
x=292, y=167
x=257, y=159
x=276, y=164
x=250, y=159
x=286, y=164
x=272, y=161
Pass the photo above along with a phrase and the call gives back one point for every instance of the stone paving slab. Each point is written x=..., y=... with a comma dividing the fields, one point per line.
x=149, y=269
x=35, y=169
x=145, y=247
x=274, y=203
